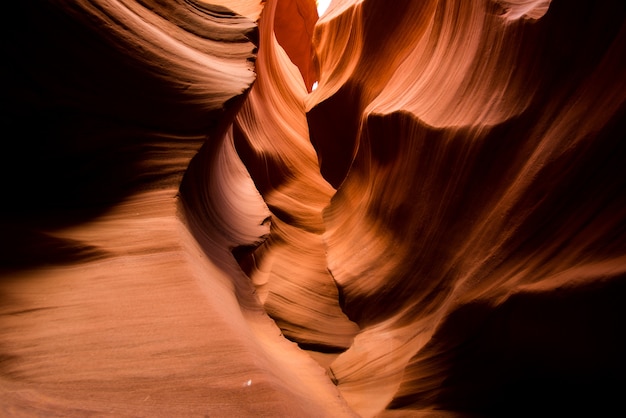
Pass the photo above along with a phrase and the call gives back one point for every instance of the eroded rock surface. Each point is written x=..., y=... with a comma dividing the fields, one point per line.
x=189, y=229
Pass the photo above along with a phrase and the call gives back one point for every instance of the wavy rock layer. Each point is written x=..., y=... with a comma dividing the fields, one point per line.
x=477, y=234
x=289, y=269
x=119, y=292
x=441, y=224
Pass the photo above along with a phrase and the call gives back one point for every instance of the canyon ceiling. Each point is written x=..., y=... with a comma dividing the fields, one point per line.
x=238, y=208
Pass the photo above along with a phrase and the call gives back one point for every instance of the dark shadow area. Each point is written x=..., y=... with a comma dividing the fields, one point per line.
x=87, y=122
x=538, y=354
x=333, y=129
x=267, y=173
x=320, y=348
x=78, y=119
x=22, y=247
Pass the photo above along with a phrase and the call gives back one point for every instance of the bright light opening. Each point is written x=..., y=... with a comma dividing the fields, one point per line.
x=322, y=5
x=314, y=86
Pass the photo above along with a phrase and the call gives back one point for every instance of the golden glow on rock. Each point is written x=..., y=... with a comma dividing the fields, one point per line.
x=322, y=5
x=232, y=208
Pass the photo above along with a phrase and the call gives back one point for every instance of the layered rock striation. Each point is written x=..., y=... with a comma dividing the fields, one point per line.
x=191, y=228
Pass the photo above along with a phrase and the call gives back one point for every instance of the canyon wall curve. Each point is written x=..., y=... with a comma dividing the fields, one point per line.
x=239, y=208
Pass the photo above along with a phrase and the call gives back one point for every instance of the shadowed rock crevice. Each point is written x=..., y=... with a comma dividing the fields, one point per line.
x=188, y=228
x=492, y=360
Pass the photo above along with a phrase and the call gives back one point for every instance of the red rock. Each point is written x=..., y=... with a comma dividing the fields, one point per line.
x=437, y=230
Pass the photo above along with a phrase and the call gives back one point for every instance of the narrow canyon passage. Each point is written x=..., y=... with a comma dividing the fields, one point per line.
x=289, y=269
x=238, y=208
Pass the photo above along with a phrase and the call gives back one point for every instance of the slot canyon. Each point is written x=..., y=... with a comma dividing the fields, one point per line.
x=247, y=208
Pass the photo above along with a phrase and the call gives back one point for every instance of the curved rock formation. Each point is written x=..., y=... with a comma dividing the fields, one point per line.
x=119, y=293
x=190, y=228
x=480, y=210
x=290, y=268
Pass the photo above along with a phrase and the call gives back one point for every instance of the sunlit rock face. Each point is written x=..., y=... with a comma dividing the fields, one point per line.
x=189, y=229
x=477, y=233
x=119, y=293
